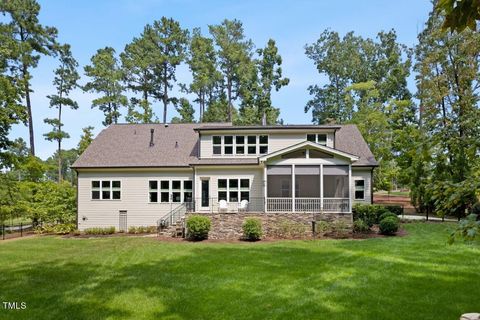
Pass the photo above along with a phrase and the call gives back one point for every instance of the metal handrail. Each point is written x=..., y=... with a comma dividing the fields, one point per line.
x=174, y=215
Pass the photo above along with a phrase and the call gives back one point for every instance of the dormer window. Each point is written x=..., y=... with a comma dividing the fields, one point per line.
x=217, y=145
x=228, y=145
x=320, y=138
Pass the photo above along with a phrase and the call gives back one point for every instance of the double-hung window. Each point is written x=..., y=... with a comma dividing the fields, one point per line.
x=106, y=190
x=233, y=190
x=217, y=144
x=240, y=144
x=228, y=145
x=153, y=191
x=263, y=144
x=164, y=191
x=360, y=189
x=252, y=144
x=176, y=191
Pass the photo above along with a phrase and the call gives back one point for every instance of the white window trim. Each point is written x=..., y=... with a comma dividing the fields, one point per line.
x=239, y=190
x=111, y=189
x=355, y=189
x=170, y=190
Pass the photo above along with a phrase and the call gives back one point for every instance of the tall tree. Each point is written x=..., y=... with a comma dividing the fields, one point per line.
x=11, y=109
x=106, y=80
x=234, y=54
x=33, y=40
x=202, y=62
x=459, y=14
x=85, y=139
x=168, y=43
x=269, y=77
x=448, y=88
x=138, y=67
x=66, y=77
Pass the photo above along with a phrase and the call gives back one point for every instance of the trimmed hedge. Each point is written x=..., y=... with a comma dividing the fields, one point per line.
x=372, y=213
x=142, y=229
x=198, y=227
x=398, y=210
x=388, y=214
x=389, y=225
x=252, y=229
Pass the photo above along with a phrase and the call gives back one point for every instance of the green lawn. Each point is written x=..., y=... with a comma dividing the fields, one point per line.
x=413, y=277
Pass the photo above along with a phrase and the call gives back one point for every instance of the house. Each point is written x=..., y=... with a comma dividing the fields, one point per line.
x=140, y=174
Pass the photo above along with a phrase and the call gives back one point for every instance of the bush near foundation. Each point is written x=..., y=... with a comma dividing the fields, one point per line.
x=198, y=227
x=252, y=229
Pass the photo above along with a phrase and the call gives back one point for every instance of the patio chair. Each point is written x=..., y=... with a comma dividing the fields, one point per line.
x=222, y=206
x=243, y=206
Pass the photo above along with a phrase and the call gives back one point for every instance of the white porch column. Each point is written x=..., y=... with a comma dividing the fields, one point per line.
x=321, y=188
x=265, y=190
x=350, y=188
x=293, y=188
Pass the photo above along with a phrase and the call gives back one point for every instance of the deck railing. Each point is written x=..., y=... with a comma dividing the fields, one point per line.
x=308, y=204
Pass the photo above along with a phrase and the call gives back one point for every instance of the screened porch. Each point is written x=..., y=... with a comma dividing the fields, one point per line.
x=308, y=188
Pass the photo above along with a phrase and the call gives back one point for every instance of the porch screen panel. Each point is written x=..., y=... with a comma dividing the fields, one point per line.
x=279, y=181
x=307, y=181
x=335, y=182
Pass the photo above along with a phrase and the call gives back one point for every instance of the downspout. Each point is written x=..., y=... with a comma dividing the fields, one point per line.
x=371, y=186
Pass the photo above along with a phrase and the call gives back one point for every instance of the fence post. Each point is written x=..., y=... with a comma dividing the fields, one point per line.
x=21, y=229
x=3, y=231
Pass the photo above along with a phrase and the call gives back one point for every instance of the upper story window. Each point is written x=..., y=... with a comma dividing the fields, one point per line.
x=240, y=145
x=320, y=138
x=106, y=190
x=217, y=144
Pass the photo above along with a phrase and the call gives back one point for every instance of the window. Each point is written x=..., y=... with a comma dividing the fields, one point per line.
x=360, y=189
x=164, y=191
x=176, y=191
x=233, y=190
x=95, y=190
x=252, y=144
x=228, y=145
x=171, y=191
x=217, y=144
x=320, y=138
x=106, y=190
x=153, y=191
x=187, y=191
x=263, y=141
x=240, y=144
x=222, y=189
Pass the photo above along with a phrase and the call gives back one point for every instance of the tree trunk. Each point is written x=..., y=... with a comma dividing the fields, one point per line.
x=29, y=111
x=229, y=95
x=165, y=94
x=59, y=155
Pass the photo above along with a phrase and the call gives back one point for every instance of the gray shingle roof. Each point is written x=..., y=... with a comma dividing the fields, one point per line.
x=176, y=145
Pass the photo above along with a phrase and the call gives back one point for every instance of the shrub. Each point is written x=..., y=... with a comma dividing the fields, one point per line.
x=389, y=225
x=388, y=214
x=340, y=227
x=321, y=227
x=142, y=229
x=100, y=231
x=359, y=226
x=252, y=229
x=398, y=210
x=198, y=227
x=475, y=209
x=366, y=213
x=467, y=229
x=63, y=228
x=289, y=229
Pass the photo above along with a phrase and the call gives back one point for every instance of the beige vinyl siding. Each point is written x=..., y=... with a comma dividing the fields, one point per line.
x=365, y=174
x=276, y=141
x=255, y=175
x=134, y=199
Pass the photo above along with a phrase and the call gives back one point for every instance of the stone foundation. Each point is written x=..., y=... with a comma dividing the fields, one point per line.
x=274, y=225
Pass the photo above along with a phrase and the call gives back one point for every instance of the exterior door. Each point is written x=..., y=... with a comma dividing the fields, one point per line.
x=205, y=203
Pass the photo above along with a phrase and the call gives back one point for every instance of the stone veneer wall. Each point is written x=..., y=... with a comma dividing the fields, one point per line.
x=229, y=225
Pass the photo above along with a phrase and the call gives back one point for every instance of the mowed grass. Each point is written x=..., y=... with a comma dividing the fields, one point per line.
x=417, y=276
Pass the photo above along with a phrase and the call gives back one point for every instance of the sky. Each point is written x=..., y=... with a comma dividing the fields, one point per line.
x=89, y=25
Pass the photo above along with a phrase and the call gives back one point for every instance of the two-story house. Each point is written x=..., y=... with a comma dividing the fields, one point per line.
x=137, y=174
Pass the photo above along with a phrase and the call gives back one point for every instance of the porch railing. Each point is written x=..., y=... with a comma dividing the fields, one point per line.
x=308, y=204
